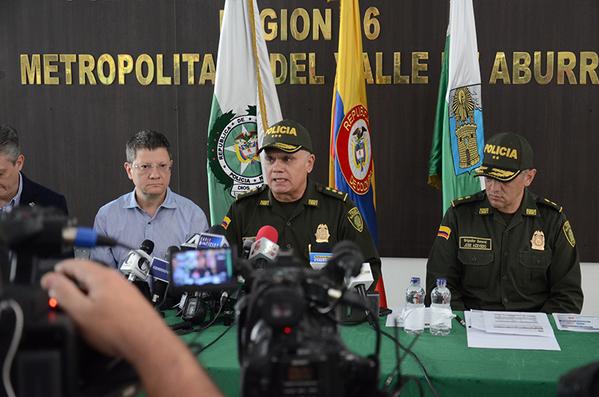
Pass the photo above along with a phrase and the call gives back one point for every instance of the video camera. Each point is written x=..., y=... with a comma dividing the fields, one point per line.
x=48, y=357
x=288, y=337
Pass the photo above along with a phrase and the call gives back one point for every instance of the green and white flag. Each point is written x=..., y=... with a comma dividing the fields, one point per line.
x=245, y=101
x=458, y=138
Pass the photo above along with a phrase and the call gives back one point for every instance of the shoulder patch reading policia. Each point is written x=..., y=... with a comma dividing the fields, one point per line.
x=355, y=218
x=444, y=232
x=569, y=233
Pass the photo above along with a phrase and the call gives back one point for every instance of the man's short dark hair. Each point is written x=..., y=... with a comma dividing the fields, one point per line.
x=9, y=142
x=146, y=139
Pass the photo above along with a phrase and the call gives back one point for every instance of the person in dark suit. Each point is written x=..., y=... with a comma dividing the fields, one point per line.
x=15, y=188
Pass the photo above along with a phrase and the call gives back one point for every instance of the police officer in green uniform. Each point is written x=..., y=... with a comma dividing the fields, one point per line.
x=505, y=248
x=308, y=216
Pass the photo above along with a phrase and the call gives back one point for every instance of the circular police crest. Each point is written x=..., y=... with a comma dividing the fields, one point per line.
x=354, y=150
x=233, y=152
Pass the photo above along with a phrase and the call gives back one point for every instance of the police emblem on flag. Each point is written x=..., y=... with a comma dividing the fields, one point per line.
x=465, y=126
x=354, y=150
x=233, y=152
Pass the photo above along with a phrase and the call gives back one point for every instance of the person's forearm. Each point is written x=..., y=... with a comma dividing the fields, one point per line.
x=167, y=367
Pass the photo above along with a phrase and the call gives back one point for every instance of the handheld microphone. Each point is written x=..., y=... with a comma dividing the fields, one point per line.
x=345, y=263
x=191, y=243
x=362, y=281
x=159, y=275
x=265, y=249
x=137, y=263
x=214, y=237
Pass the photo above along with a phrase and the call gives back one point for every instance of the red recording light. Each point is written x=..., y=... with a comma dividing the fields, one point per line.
x=53, y=303
x=287, y=330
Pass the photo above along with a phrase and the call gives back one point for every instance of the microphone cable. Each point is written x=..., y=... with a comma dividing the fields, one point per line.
x=14, y=344
x=193, y=345
x=410, y=352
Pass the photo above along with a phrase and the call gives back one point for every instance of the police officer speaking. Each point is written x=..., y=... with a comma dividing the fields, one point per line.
x=308, y=216
x=505, y=248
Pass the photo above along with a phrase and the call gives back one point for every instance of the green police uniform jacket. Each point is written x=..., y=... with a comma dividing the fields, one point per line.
x=319, y=206
x=530, y=264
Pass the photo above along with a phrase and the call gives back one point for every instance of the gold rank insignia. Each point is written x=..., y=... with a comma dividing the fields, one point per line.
x=483, y=211
x=531, y=212
x=264, y=203
x=313, y=203
x=538, y=240
x=322, y=233
x=355, y=218
x=569, y=233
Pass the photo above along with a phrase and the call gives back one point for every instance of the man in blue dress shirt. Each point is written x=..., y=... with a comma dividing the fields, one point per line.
x=152, y=211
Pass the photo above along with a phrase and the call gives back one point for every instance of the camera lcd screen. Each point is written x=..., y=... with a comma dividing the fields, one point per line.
x=203, y=269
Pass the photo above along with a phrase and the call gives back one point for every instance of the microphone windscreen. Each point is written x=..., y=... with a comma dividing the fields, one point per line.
x=171, y=251
x=268, y=232
x=147, y=246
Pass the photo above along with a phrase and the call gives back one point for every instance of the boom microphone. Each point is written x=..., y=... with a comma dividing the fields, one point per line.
x=265, y=249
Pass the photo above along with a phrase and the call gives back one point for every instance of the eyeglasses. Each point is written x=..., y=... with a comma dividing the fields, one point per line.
x=147, y=167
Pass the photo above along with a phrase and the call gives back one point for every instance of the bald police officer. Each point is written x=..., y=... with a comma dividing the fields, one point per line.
x=308, y=216
x=505, y=248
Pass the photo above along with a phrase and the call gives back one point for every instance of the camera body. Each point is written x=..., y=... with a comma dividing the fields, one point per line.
x=288, y=338
x=50, y=350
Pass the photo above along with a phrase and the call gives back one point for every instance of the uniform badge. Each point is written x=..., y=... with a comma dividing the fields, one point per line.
x=322, y=233
x=475, y=243
x=483, y=211
x=355, y=218
x=444, y=232
x=225, y=222
x=531, y=212
x=569, y=233
x=538, y=241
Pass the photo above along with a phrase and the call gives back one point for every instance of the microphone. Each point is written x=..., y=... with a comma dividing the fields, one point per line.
x=265, y=249
x=247, y=246
x=136, y=265
x=191, y=243
x=362, y=281
x=159, y=275
x=345, y=263
x=214, y=237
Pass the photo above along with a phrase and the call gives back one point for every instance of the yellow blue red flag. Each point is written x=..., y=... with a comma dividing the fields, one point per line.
x=351, y=167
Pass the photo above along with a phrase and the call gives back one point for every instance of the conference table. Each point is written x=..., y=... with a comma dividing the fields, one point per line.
x=454, y=369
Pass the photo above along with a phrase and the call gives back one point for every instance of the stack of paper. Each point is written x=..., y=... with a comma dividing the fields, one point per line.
x=510, y=330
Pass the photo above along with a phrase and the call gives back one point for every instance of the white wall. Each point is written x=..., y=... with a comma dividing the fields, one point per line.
x=397, y=273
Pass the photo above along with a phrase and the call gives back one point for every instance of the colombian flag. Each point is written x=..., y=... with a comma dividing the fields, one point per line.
x=351, y=168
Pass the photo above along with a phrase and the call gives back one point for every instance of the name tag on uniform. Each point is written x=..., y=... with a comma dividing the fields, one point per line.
x=476, y=243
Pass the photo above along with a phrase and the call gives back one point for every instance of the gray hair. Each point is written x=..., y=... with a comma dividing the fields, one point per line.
x=9, y=142
x=146, y=139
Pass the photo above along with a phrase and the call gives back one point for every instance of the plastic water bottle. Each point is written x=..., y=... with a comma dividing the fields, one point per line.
x=414, y=311
x=441, y=314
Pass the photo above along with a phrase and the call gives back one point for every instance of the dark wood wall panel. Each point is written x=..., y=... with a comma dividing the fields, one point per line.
x=74, y=135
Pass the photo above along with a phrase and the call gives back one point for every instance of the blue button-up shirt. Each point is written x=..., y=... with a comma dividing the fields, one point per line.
x=15, y=201
x=176, y=219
